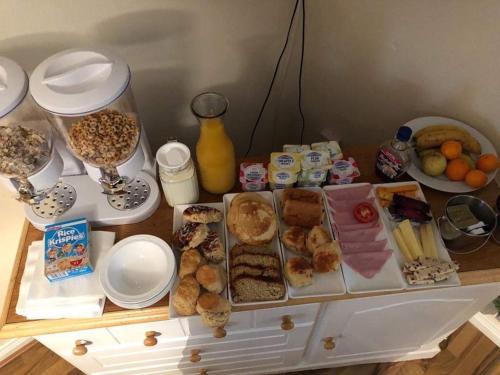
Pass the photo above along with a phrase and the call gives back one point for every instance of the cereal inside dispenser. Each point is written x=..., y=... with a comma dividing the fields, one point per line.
x=87, y=96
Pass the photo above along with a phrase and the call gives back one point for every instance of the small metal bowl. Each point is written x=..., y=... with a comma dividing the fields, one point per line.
x=459, y=241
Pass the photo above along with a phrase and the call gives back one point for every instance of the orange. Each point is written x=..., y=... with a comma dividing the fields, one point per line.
x=457, y=169
x=487, y=163
x=476, y=178
x=451, y=149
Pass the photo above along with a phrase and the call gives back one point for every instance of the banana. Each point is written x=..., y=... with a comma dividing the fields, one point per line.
x=433, y=128
x=437, y=137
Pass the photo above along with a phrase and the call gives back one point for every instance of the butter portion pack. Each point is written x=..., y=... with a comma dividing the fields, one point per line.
x=66, y=249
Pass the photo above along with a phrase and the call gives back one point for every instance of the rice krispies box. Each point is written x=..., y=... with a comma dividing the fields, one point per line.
x=66, y=247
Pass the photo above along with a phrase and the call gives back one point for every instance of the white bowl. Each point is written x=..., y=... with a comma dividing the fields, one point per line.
x=137, y=269
x=140, y=305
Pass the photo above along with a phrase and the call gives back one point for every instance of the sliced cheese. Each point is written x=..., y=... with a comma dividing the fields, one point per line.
x=428, y=241
x=411, y=239
x=402, y=245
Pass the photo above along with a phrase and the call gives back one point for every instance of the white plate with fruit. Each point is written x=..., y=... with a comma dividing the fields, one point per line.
x=450, y=156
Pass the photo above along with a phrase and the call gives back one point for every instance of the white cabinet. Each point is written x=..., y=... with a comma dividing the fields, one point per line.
x=377, y=327
x=255, y=342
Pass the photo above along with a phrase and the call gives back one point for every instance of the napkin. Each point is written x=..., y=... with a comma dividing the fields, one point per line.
x=77, y=297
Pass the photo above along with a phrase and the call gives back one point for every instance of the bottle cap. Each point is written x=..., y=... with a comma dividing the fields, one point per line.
x=173, y=156
x=404, y=133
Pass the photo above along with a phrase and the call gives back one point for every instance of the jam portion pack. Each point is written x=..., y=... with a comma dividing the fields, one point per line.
x=66, y=249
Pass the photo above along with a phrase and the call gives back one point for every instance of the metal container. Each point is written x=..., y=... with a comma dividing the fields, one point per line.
x=459, y=241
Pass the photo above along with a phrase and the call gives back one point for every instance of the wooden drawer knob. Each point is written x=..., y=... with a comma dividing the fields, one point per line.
x=219, y=332
x=287, y=323
x=150, y=339
x=195, y=356
x=329, y=343
x=80, y=347
x=203, y=372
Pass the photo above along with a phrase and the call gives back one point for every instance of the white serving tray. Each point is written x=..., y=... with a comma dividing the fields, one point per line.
x=232, y=240
x=390, y=276
x=177, y=223
x=324, y=284
x=443, y=254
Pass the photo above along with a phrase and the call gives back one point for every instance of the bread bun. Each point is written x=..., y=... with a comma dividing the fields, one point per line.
x=212, y=277
x=190, y=261
x=190, y=235
x=294, y=239
x=326, y=257
x=213, y=309
x=299, y=272
x=186, y=295
x=317, y=236
x=252, y=219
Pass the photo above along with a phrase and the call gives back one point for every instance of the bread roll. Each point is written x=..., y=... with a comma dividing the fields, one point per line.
x=317, y=236
x=202, y=214
x=186, y=295
x=302, y=214
x=190, y=261
x=212, y=277
x=294, y=239
x=213, y=309
x=190, y=235
x=326, y=257
x=212, y=248
x=301, y=195
x=299, y=272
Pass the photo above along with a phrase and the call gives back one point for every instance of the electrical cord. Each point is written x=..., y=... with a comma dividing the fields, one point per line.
x=274, y=77
x=300, y=70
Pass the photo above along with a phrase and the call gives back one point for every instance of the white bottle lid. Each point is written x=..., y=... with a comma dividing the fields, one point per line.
x=13, y=85
x=78, y=81
x=173, y=156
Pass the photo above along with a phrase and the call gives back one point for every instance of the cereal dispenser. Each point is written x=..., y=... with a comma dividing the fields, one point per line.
x=86, y=95
x=29, y=163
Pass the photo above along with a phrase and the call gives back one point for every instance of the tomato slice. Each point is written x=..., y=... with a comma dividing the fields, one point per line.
x=365, y=212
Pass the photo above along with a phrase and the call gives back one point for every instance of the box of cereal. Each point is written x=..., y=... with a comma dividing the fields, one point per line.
x=66, y=247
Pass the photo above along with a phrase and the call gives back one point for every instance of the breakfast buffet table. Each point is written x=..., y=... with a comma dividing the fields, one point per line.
x=298, y=334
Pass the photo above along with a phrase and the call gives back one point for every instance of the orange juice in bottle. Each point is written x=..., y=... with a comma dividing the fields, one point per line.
x=214, y=150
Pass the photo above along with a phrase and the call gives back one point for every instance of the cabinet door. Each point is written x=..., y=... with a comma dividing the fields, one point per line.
x=399, y=323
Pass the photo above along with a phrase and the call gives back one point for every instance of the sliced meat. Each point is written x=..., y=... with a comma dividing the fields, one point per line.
x=348, y=204
x=362, y=247
x=351, y=227
x=363, y=235
x=343, y=218
x=353, y=192
x=367, y=264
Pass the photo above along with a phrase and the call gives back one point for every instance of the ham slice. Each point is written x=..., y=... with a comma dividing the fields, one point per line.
x=362, y=247
x=349, y=204
x=361, y=235
x=343, y=218
x=367, y=264
x=351, y=227
x=351, y=193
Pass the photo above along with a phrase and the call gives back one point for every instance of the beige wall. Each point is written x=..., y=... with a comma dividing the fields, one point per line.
x=373, y=65
x=370, y=65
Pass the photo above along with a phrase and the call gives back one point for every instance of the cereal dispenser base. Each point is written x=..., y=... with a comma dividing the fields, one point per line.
x=93, y=205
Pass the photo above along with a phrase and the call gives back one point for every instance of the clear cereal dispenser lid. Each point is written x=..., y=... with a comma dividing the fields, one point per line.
x=25, y=135
x=88, y=95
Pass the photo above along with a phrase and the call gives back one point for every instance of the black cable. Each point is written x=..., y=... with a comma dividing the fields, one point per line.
x=273, y=79
x=300, y=70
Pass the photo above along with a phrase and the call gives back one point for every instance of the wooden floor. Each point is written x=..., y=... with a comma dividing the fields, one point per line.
x=466, y=352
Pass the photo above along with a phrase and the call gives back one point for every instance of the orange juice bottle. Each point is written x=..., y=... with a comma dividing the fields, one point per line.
x=214, y=150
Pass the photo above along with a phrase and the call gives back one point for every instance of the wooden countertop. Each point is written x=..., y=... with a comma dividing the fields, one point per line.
x=477, y=268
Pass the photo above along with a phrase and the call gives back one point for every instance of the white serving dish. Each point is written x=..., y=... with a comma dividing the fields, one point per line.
x=324, y=284
x=389, y=278
x=443, y=254
x=232, y=240
x=177, y=223
x=137, y=270
x=441, y=182
x=147, y=303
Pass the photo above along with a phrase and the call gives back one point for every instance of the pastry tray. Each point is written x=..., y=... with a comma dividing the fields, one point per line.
x=389, y=278
x=324, y=284
x=443, y=254
x=232, y=240
x=177, y=222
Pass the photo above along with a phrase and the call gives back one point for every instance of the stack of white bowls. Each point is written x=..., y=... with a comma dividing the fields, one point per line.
x=138, y=271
